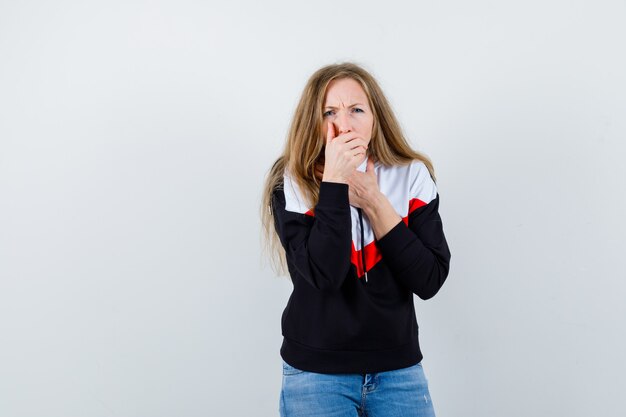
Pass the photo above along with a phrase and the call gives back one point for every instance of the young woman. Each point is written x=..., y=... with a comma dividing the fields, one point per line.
x=352, y=211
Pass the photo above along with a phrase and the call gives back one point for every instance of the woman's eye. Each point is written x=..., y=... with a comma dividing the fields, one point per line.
x=329, y=112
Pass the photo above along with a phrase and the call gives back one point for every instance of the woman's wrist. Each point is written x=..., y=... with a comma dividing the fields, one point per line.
x=375, y=204
x=383, y=217
x=331, y=178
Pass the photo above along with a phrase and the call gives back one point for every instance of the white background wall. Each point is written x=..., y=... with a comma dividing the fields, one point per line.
x=134, y=137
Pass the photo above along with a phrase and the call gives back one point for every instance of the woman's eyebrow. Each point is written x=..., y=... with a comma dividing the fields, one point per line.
x=352, y=105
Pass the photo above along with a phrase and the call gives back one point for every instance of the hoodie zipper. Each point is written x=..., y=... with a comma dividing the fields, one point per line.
x=362, y=243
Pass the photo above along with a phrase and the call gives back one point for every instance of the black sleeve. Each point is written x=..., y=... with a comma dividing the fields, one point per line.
x=318, y=247
x=418, y=254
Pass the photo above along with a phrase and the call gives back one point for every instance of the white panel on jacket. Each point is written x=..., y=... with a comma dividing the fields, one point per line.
x=294, y=199
x=422, y=185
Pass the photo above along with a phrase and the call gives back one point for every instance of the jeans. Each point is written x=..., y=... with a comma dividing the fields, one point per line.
x=401, y=392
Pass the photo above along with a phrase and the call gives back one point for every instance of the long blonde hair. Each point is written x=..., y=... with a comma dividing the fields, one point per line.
x=304, y=147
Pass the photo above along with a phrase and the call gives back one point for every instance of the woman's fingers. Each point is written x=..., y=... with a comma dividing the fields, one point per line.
x=353, y=143
x=356, y=143
x=330, y=133
x=345, y=137
x=350, y=139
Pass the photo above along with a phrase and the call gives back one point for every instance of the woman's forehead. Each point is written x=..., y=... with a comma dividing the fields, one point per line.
x=345, y=92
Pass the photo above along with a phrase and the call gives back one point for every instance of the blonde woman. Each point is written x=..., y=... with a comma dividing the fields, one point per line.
x=352, y=212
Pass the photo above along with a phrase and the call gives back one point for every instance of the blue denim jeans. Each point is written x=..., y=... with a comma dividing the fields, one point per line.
x=402, y=392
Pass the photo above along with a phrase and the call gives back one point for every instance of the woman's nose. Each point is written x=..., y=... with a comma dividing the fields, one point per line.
x=342, y=123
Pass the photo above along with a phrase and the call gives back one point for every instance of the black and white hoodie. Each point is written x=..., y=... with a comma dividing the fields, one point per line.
x=351, y=309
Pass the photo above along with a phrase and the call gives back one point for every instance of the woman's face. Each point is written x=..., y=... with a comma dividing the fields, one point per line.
x=346, y=106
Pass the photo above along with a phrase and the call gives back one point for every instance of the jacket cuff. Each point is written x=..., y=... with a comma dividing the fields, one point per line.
x=395, y=243
x=333, y=194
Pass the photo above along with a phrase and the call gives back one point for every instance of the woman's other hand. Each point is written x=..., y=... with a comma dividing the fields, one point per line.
x=364, y=191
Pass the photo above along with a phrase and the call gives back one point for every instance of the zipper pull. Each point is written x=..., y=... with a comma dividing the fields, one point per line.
x=365, y=276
